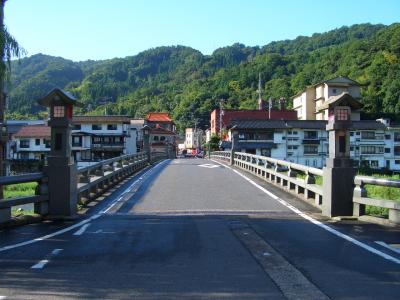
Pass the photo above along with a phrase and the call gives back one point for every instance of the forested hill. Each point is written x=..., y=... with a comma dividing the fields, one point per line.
x=189, y=85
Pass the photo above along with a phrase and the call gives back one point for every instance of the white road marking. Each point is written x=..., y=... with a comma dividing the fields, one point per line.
x=210, y=166
x=44, y=262
x=72, y=227
x=82, y=229
x=316, y=222
x=383, y=244
x=2, y=297
x=266, y=253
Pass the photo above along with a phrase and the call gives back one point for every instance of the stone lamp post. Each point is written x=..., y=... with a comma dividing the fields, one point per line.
x=235, y=140
x=61, y=169
x=338, y=175
x=146, y=141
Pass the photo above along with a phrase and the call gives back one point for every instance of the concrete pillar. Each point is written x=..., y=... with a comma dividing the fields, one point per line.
x=235, y=137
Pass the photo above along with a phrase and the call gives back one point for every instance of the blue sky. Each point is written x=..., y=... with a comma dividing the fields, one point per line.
x=102, y=29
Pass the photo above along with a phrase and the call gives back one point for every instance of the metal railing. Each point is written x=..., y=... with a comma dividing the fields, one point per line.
x=361, y=199
x=279, y=172
x=92, y=181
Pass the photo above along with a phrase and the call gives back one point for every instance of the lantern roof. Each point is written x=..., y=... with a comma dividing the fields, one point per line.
x=59, y=96
x=342, y=99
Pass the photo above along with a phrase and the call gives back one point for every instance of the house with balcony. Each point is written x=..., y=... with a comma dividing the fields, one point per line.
x=101, y=137
x=313, y=102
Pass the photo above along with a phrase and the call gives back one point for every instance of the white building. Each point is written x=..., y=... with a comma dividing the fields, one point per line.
x=31, y=142
x=372, y=143
x=193, y=138
x=101, y=137
x=311, y=104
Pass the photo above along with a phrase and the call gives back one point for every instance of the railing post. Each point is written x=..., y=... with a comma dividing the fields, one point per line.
x=42, y=208
x=235, y=137
x=359, y=191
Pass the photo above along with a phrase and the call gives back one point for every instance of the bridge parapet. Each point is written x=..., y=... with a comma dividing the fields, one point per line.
x=92, y=181
x=361, y=199
x=292, y=177
x=307, y=182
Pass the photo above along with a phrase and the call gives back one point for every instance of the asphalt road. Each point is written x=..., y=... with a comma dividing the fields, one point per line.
x=193, y=229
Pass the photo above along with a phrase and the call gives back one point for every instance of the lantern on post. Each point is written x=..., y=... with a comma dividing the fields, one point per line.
x=338, y=175
x=60, y=168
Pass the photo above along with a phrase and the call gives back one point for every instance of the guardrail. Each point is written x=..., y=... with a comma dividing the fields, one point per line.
x=279, y=172
x=92, y=181
x=361, y=199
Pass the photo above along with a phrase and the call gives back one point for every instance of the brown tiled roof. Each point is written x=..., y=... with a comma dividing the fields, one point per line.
x=158, y=117
x=33, y=131
x=101, y=119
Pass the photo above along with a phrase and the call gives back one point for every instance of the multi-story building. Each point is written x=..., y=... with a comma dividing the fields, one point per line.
x=162, y=132
x=101, y=137
x=372, y=143
x=313, y=102
x=193, y=138
x=223, y=119
x=30, y=142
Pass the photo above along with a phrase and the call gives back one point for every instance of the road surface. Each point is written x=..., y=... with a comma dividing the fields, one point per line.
x=194, y=229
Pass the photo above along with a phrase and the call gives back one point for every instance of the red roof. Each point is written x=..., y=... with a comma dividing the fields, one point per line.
x=158, y=117
x=33, y=131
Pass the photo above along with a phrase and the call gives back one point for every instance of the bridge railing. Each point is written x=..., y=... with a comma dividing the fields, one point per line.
x=361, y=199
x=40, y=199
x=295, y=178
x=92, y=181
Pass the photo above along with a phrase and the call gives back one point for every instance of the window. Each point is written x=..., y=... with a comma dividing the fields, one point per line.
x=86, y=155
x=155, y=138
x=96, y=140
x=24, y=155
x=77, y=127
x=37, y=142
x=351, y=133
x=112, y=127
x=310, y=149
x=367, y=149
x=387, y=136
x=58, y=111
x=397, y=162
x=373, y=164
x=368, y=135
x=387, y=150
x=76, y=141
x=307, y=162
x=342, y=114
x=96, y=126
x=162, y=138
x=397, y=150
x=24, y=143
x=47, y=143
x=315, y=163
x=351, y=148
x=397, y=136
x=357, y=133
x=334, y=91
x=310, y=135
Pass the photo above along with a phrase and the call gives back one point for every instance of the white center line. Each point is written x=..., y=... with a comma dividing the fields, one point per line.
x=2, y=297
x=82, y=229
x=383, y=244
x=44, y=262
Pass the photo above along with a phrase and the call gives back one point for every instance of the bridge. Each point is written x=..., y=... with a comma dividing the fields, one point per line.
x=197, y=229
x=232, y=226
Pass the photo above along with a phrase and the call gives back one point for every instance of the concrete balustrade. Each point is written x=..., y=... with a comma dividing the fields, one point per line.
x=361, y=199
x=92, y=181
x=280, y=173
x=286, y=176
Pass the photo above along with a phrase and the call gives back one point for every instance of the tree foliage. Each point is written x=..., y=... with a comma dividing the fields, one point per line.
x=189, y=85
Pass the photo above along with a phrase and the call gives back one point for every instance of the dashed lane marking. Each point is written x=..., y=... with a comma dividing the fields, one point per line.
x=43, y=262
x=383, y=244
x=314, y=221
x=209, y=166
x=82, y=229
